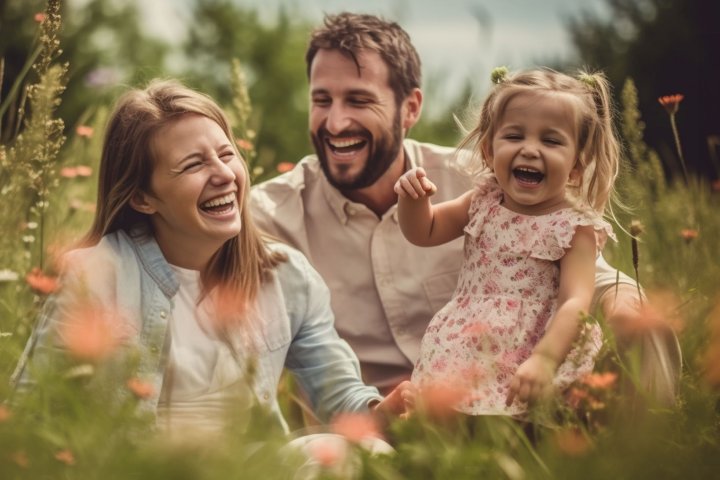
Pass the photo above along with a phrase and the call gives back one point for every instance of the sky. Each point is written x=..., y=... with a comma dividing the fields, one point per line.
x=456, y=39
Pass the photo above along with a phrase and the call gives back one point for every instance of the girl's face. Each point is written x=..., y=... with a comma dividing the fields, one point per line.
x=196, y=190
x=534, y=152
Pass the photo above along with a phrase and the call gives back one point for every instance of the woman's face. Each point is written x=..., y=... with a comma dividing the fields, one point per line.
x=197, y=187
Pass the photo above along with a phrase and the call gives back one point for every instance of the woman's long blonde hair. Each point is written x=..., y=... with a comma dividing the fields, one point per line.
x=597, y=143
x=126, y=166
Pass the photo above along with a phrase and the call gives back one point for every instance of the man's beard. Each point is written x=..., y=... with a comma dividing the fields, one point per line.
x=383, y=151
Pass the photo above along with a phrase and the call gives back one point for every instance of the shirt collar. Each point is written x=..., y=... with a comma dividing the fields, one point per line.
x=153, y=260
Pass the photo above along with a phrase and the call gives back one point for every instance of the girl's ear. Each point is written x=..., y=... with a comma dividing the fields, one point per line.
x=576, y=176
x=487, y=154
x=140, y=202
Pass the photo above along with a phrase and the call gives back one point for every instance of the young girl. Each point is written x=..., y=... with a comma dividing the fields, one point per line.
x=533, y=228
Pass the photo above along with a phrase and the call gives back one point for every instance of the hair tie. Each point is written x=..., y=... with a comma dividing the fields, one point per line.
x=498, y=74
x=588, y=79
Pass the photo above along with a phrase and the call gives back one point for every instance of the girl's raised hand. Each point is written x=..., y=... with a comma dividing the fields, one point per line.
x=414, y=184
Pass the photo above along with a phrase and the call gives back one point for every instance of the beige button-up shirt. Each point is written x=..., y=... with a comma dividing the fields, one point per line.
x=384, y=290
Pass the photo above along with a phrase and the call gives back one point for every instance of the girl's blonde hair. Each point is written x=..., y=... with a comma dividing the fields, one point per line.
x=126, y=167
x=597, y=143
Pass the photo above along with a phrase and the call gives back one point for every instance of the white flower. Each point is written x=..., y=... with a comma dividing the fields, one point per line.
x=8, y=275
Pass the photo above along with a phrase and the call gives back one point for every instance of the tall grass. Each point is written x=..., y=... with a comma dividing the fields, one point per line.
x=74, y=425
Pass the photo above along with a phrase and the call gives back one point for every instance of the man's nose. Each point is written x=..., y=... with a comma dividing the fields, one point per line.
x=338, y=119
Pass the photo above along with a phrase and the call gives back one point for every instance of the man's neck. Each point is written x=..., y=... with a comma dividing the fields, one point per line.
x=380, y=196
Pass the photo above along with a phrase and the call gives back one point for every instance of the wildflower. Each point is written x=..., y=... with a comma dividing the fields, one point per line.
x=572, y=441
x=355, y=426
x=439, y=400
x=20, y=458
x=7, y=275
x=40, y=282
x=671, y=103
x=4, y=413
x=715, y=185
x=576, y=396
x=84, y=131
x=600, y=380
x=328, y=453
x=283, y=167
x=140, y=388
x=68, y=172
x=244, y=144
x=39, y=17
x=689, y=234
x=89, y=334
x=65, y=456
x=83, y=171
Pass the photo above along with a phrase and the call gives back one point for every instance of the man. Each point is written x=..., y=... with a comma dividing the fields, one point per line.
x=339, y=208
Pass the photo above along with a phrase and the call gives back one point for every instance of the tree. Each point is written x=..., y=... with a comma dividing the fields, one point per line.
x=666, y=47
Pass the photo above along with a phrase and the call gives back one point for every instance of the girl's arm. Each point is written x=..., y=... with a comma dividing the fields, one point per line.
x=533, y=378
x=422, y=223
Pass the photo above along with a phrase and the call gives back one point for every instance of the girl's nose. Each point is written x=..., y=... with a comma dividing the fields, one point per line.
x=530, y=150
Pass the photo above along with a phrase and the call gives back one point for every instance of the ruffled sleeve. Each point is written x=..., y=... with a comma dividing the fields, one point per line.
x=486, y=196
x=559, y=229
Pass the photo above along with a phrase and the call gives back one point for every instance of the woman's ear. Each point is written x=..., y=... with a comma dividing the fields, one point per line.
x=139, y=202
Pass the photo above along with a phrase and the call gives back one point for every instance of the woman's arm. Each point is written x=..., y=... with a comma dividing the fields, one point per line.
x=422, y=223
x=533, y=378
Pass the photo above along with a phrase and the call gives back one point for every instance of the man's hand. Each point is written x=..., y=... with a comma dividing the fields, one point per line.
x=532, y=380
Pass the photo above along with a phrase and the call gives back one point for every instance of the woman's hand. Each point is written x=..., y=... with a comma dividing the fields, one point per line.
x=532, y=380
x=414, y=184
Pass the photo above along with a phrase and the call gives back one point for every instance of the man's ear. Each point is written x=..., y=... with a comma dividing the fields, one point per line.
x=139, y=202
x=411, y=109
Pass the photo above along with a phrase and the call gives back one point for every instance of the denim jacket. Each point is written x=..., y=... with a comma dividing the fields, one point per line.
x=126, y=271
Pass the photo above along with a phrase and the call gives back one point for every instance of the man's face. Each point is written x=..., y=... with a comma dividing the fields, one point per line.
x=355, y=123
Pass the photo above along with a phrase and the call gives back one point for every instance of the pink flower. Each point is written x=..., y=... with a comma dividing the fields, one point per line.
x=39, y=17
x=355, y=426
x=89, y=334
x=84, y=131
x=83, y=171
x=68, y=172
x=65, y=456
x=283, y=167
x=140, y=388
x=40, y=282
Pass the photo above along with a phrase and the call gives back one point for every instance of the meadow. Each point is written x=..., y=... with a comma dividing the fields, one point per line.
x=83, y=418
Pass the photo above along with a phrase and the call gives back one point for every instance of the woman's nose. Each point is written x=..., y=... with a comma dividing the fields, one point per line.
x=221, y=173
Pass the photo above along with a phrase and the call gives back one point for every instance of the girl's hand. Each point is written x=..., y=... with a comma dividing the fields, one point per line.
x=414, y=184
x=532, y=380
x=398, y=403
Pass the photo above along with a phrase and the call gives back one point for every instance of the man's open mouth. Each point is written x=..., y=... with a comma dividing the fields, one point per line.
x=528, y=175
x=345, y=145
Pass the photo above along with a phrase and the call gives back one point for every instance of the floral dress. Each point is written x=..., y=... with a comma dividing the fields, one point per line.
x=505, y=297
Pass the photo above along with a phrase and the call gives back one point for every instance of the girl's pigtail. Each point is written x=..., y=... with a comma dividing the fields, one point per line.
x=602, y=144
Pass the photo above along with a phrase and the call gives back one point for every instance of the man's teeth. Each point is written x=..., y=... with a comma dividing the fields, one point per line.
x=345, y=143
x=229, y=198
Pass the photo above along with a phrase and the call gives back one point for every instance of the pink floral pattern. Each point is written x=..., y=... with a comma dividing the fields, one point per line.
x=505, y=297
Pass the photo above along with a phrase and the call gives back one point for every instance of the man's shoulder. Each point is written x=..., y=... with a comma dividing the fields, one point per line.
x=432, y=156
x=289, y=184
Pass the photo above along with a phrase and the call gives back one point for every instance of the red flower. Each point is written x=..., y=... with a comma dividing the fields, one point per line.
x=671, y=102
x=283, y=167
x=65, y=456
x=68, y=172
x=140, y=388
x=689, y=234
x=355, y=426
x=84, y=131
x=40, y=282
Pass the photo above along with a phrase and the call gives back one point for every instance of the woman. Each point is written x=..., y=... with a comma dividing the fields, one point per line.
x=176, y=266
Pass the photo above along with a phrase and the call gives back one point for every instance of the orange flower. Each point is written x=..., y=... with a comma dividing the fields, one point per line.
x=283, y=167
x=689, y=234
x=572, y=442
x=439, y=400
x=40, y=282
x=600, y=380
x=68, y=172
x=244, y=144
x=671, y=102
x=4, y=413
x=90, y=334
x=20, y=458
x=83, y=171
x=355, y=426
x=65, y=456
x=39, y=17
x=711, y=359
x=84, y=131
x=140, y=388
x=576, y=396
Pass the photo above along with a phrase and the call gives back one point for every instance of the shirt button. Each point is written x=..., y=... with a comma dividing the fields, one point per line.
x=163, y=314
x=266, y=396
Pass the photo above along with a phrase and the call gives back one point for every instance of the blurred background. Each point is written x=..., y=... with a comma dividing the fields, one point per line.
x=665, y=46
